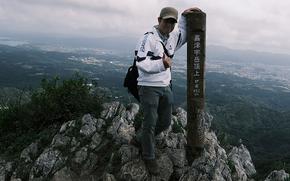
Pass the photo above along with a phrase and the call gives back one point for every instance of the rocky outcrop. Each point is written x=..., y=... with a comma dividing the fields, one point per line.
x=215, y=164
x=241, y=161
x=6, y=169
x=97, y=149
x=276, y=175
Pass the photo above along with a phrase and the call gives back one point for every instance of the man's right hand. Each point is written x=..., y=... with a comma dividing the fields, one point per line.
x=167, y=62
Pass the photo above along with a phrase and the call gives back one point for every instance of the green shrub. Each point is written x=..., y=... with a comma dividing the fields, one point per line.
x=177, y=128
x=54, y=103
x=58, y=102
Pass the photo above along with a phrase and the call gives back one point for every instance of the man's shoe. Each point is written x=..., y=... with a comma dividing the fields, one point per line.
x=152, y=166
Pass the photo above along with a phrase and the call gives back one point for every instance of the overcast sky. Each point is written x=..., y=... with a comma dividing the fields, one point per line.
x=242, y=24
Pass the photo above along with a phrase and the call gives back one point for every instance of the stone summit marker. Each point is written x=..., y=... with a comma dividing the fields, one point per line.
x=196, y=38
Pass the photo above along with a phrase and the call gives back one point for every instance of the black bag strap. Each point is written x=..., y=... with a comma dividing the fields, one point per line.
x=135, y=59
x=171, y=56
x=166, y=51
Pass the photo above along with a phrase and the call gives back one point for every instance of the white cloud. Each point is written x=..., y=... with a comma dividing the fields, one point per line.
x=247, y=24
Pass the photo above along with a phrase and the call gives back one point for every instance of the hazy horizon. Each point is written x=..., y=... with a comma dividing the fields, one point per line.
x=260, y=25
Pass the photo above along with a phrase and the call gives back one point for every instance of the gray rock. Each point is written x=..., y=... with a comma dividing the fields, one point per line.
x=60, y=141
x=100, y=124
x=96, y=140
x=2, y=171
x=211, y=165
x=174, y=140
x=134, y=170
x=177, y=156
x=132, y=110
x=110, y=110
x=207, y=119
x=108, y=177
x=88, y=125
x=90, y=165
x=6, y=169
x=166, y=167
x=121, y=131
x=13, y=178
x=241, y=159
x=47, y=164
x=178, y=172
x=127, y=153
x=9, y=167
x=276, y=175
x=122, y=111
x=116, y=123
x=80, y=155
x=64, y=174
x=74, y=144
x=67, y=127
x=181, y=115
x=29, y=153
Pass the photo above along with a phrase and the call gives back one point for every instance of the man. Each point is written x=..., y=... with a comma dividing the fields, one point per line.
x=154, y=54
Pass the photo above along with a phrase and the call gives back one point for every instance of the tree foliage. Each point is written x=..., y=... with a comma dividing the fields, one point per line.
x=57, y=101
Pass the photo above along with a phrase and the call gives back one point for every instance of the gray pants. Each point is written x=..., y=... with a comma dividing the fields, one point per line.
x=156, y=103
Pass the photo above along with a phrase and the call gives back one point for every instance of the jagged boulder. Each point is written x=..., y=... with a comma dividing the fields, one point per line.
x=211, y=165
x=71, y=150
x=136, y=170
x=241, y=160
x=276, y=175
x=181, y=116
x=113, y=109
x=26, y=161
x=30, y=153
x=108, y=177
x=215, y=164
x=63, y=174
x=131, y=112
x=96, y=140
x=67, y=127
x=88, y=125
x=121, y=130
x=47, y=164
x=128, y=153
x=133, y=170
x=6, y=169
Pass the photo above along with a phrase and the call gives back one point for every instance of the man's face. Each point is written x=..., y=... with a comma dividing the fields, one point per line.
x=166, y=25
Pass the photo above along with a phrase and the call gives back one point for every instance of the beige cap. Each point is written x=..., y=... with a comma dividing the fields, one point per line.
x=169, y=12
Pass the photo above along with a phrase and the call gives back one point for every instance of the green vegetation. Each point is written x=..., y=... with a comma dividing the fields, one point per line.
x=51, y=105
x=177, y=127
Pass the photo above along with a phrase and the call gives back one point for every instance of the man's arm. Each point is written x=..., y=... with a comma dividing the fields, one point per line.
x=146, y=60
x=182, y=34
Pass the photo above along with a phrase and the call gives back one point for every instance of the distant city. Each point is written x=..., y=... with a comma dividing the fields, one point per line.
x=219, y=59
x=253, y=71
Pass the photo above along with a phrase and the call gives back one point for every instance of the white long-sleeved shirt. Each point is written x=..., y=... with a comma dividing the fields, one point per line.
x=149, y=52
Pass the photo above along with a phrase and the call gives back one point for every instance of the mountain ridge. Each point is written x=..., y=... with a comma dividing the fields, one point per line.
x=97, y=149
